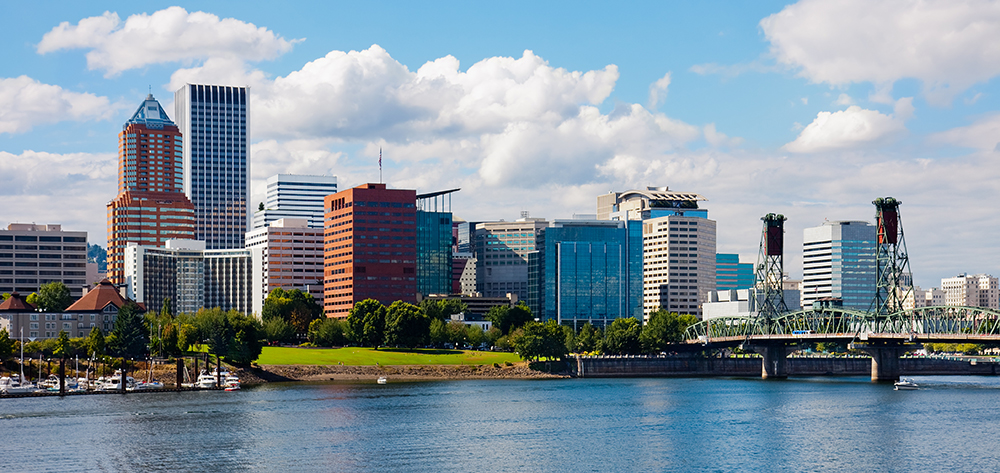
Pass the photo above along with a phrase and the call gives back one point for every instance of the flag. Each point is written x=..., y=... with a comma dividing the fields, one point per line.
x=380, y=159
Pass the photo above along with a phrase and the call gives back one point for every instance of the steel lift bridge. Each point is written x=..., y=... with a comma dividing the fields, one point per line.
x=885, y=331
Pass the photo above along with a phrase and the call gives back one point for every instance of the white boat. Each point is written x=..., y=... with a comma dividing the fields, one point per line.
x=381, y=380
x=114, y=383
x=209, y=380
x=12, y=385
x=905, y=384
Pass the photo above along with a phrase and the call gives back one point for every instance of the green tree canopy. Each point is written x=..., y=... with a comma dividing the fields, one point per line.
x=366, y=321
x=664, y=328
x=276, y=330
x=62, y=348
x=187, y=335
x=95, y=342
x=247, y=342
x=406, y=325
x=215, y=328
x=6, y=345
x=588, y=340
x=169, y=340
x=535, y=340
x=295, y=307
x=509, y=318
x=622, y=337
x=438, y=331
x=54, y=297
x=442, y=308
x=130, y=337
x=326, y=332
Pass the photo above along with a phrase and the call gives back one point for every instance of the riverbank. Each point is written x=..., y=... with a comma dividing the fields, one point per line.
x=279, y=373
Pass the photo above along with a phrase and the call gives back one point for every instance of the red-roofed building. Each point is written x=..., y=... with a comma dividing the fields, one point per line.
x=97, y=308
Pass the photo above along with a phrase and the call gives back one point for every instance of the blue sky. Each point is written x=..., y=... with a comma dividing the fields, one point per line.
x=810, y=109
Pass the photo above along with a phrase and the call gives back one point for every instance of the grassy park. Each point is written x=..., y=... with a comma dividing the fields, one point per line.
x=358, y=356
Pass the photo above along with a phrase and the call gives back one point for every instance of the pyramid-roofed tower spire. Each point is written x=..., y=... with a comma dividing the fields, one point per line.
x=151, y=114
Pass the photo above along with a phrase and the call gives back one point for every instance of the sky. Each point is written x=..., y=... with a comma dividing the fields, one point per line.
x=810, y=109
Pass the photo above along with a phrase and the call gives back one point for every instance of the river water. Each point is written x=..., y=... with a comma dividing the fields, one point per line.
x=706, y=424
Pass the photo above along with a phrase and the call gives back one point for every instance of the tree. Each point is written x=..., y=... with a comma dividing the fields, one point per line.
x=97, y=254
x=622, y=337
x=327, y=332
x=438, y=332
x=455, y=333
x=215, y=327
x=130, y=335
x=54, y=297
x=169, y=340
x=260, y=207
x=367, y=322
x=474, y=335
x=277, y=330
x=295, y=307
x=535, y=340
x=187, y=335
x=62, y=347
x=95, y=342
x=166, y=311
x=6, y=345
x=5, y=295
x=442, y=308
x=664, y=328
x=509, y=318
x=246, y=345
x=32, y=299
x=405, y=325
x=588, y=339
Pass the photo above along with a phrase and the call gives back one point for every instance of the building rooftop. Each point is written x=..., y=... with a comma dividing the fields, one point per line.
x=98, y=298
x=151, y=114
x=16, y=303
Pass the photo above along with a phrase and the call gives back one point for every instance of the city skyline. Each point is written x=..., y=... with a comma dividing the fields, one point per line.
x=542, y=108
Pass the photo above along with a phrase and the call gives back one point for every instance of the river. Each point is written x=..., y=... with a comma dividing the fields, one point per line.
x=698, y=424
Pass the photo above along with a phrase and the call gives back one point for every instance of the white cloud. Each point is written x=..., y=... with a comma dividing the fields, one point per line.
x=943, y=43
x=844, y=99
x=850, y=128
x=26, y=103
x=71, y=189
x=658, y=91
x=984, y=134
x=169, y=35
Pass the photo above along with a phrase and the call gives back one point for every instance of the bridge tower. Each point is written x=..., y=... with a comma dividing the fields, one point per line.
x=892, y=263
x=770, y=296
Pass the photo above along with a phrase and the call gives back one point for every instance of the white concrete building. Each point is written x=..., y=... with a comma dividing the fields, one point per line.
x=678, y=263
x=838, y=260
x=918, y=298
x=295, y=196
x=287, y=254
x=980, y=290
x=34, y=255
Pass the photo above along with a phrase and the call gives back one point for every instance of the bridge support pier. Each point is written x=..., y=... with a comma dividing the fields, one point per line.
x=885, y=360
x=775, y=362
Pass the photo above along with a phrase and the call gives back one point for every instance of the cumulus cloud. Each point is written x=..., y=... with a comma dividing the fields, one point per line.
x=44, y=185
x=658, y=91
x=169, y=35
x=984, y=134
x=851, y=128
x=942, y=43
x=26, y=103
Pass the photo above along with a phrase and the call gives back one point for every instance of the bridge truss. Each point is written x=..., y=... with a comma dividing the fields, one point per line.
x=951, y=322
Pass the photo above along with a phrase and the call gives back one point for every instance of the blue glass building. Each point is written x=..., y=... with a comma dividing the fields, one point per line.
x=215, y=121
x=434, y=243
x=587, y=271
x=731, y=274
x=838, y=261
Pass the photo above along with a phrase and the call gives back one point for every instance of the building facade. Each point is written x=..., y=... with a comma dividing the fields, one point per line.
x=730, y=273
x=463, y=273
x=150, y=207
x=838, y=261
x=286, y=254
x=654, y=202
x=370, y=247
x=587, y=272
x=295, y=196
x=215, y=122
x=679, y=263
x=191, y=276
x=919, y=297
x=979, y=290
x=501, y=251
x=34, y=255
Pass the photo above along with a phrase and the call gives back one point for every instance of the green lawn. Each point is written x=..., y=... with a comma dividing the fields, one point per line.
x=384, y=356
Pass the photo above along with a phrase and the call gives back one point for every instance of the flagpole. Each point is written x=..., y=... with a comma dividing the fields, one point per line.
x=380, y=165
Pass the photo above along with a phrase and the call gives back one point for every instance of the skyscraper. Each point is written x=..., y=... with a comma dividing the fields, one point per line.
x=150, y=207
x=731, y=274
x=501, y=250
x=215, y=122
x=369, y=247
x=838, y=260
x=434, y=243
x=295, y=196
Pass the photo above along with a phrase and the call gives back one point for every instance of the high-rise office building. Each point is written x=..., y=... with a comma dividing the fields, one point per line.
x=33, y=255
x=215, y=122
x=286, y=254
x=191, y=276
x=370, y=247
x=150, y=207
x=295, y=196
x=978, y=290
x=587, y=272
x=731, y=274
x=501, y=250
x=838, y=261
x=679, y=264
x=434, y=243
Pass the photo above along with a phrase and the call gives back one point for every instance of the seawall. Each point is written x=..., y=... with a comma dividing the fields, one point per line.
x=629, y=367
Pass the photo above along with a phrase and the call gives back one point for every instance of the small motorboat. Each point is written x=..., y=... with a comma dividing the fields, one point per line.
x=905, y=384
x=381, y=380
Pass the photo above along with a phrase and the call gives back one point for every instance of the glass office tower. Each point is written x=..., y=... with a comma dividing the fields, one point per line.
x=587, y=271
x=838, y=261
x=215, y=121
